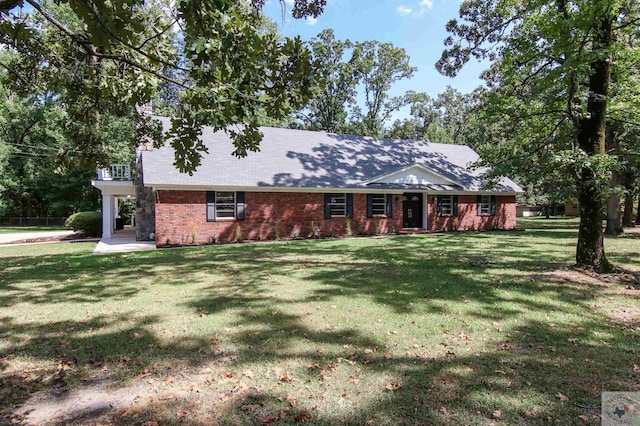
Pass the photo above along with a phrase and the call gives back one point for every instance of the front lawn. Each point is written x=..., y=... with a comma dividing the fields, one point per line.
x=456, y=328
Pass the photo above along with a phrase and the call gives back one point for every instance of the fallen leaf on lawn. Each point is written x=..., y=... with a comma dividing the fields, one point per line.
x=501, y=372
x=249, y=373
x=368, y=351
x=496, y=414
x=353, y=380
x=388, y=356
x=303, y=417
x=292, y=401
x=150, y=423
x=443, y=410
x=636, y=367
x=584, y=418
x=168, y=380
x=137, y=335
x=562, y=397
x=249, y=407
x=214, y=339
x=286, y=378
x=272, y=419
x=393, y=386
x=533, y=413
x=182, y=414
x=125, y=413
x=228, y=374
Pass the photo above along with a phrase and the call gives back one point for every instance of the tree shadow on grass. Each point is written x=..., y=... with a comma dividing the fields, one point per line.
x=518, y=374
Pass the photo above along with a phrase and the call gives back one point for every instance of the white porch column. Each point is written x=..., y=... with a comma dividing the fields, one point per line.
x=108, y=201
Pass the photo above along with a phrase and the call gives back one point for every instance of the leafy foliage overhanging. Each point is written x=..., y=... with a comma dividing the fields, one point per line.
x=108, y=57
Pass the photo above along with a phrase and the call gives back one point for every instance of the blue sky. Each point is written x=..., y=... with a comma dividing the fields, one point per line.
x=418, y=26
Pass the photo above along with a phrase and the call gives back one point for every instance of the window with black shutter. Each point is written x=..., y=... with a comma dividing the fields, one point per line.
x=223, y=205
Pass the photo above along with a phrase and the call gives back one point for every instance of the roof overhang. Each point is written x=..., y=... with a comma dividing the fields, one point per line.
x=121, y=188
x=349, y=189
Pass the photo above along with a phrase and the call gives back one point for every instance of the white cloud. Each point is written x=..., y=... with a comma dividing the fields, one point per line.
x=426, y=4
x=289, y=2
x=311, y=21
x=423, y=7
x=403, y=10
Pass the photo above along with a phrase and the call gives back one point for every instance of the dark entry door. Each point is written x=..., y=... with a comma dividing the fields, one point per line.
x=412, y=211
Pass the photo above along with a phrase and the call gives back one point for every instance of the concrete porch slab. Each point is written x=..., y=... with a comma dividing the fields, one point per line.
x=122, y=242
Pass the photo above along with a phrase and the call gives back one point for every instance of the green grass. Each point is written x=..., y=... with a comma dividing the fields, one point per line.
x=457, y=328
x=555, y=222
x=21, y=229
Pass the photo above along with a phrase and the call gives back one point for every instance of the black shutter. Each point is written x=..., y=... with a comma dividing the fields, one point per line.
x=211, y=202
x=327, y=206
x=478, y=204
x=439, y=205
x=455, y=205
x=369, y=205
x=350, y=206
x=493, y=205
x=389, y=205
x=240, y=205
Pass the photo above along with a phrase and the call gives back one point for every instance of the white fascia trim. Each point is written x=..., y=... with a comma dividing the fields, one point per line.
x=320, y=190
x=272, y=189
x=115, y=187
x=404, y=169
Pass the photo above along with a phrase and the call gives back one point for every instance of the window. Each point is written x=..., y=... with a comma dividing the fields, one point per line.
x=338, y=205
x=379, y=205
x=447, y=205
x=223, y=205
x=486, y=205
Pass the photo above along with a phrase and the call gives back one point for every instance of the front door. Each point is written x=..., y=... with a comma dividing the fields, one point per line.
x=412, y=211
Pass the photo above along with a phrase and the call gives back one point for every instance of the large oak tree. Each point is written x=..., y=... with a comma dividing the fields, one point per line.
x=554, y=59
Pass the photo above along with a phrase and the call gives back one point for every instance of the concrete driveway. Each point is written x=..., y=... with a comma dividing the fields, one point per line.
x=21, y=236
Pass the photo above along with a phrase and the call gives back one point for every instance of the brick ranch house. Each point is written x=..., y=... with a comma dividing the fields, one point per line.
x=315, y=184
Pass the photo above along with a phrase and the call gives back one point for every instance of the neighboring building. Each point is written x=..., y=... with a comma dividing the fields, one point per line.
x=305, y=184
x=529, y=210
x=572, y=208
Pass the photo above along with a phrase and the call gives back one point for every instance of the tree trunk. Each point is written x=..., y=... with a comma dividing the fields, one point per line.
x=638, y=217
x=614, y=215
x=591, y=139
x=627, y=216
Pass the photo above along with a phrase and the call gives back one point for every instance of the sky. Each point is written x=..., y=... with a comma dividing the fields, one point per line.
x=418, y=26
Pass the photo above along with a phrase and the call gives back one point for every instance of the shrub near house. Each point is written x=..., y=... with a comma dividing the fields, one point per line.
x=88, y=224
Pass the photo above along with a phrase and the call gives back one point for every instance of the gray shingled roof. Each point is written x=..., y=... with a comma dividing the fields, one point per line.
x=306, y=159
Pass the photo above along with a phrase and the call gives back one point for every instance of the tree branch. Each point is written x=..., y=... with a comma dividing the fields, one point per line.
x=19, y=76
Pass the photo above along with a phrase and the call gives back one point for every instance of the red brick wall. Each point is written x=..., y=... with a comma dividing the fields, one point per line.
x=468, y=219
x=181, y=217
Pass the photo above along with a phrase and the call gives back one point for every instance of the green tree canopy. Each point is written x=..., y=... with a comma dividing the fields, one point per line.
x=108, y=57
x=551, y=76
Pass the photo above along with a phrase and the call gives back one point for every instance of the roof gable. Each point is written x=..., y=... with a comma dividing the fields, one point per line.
x=414, y=174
